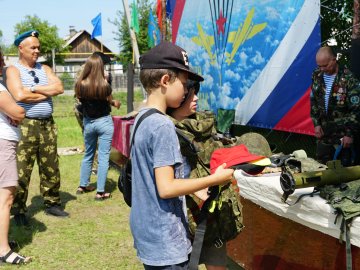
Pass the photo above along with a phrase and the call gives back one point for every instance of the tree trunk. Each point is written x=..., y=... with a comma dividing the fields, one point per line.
x=355, y=41
x=356, y=20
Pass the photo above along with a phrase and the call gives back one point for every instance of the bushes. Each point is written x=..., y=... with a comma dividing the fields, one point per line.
x=67, y=80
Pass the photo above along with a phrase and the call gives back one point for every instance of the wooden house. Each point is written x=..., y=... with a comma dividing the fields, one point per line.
x=81, y=46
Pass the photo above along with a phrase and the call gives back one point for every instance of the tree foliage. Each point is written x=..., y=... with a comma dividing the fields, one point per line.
x=48, y=36
x=336, y=22
x=123, y=36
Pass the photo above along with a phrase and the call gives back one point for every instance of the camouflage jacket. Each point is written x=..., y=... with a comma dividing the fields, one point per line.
x=198, y=141
x=343, y=115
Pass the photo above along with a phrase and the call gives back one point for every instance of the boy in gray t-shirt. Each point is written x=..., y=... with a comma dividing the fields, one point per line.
x=158, y=217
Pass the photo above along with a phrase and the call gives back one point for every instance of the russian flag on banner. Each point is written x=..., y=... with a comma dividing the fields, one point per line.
x=257, y=57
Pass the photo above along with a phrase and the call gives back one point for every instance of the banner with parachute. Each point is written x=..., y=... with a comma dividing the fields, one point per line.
x=257, y=57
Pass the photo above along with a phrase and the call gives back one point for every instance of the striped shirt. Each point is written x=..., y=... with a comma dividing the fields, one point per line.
x=42, y=109
x=329, y=81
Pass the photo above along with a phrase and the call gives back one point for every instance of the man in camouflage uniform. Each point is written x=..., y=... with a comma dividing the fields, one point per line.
x=33, y=85
x=335, y=110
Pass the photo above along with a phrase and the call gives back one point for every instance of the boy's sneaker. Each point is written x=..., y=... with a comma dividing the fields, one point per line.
x=56, y=211
x=21, y=220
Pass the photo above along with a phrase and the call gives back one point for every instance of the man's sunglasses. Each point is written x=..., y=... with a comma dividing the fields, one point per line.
x=33, y=74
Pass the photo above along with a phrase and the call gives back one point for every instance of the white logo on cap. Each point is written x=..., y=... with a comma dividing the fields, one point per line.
x=186, y=59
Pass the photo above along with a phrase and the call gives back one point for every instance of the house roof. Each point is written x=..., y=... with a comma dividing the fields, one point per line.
x=70, y=40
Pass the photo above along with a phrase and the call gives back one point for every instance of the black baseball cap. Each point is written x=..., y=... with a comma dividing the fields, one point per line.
x=167, y=55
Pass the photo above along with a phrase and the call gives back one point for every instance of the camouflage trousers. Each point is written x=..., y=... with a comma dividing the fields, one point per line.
x=38, y=142
x=325, y=152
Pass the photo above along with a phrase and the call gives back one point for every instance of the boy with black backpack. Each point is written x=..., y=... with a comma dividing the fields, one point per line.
x=158, y=214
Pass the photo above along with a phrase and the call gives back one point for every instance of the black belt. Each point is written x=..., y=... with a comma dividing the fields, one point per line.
x=38, y=118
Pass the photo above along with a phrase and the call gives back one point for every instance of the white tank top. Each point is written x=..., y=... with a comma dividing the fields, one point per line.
x=7, y=131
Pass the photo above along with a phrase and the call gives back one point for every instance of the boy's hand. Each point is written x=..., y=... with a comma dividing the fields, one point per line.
x=225, y=174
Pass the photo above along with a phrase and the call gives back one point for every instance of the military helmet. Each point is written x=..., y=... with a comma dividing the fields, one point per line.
x=256, y=143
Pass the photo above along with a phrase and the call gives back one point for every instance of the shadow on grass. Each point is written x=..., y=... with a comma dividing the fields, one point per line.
x=23, y=235
x=37, y=203
x=111, y=185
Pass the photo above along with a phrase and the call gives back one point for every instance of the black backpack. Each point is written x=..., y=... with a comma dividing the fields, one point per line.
x=124, y=181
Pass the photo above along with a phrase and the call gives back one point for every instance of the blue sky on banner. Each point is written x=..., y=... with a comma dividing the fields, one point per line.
x=230, y=69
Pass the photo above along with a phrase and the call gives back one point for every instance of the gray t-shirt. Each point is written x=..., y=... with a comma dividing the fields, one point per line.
x=159, y=226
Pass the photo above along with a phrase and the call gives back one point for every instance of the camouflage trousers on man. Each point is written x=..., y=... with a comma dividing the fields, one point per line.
x=38, y=142
x=326, y=152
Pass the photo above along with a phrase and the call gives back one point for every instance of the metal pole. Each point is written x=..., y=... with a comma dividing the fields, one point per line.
x=132, y=34
x=53, y=60
x=130, y=88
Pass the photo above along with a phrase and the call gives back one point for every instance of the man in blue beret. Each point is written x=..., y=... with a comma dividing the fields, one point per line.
x=21, y=37
x=33, y=85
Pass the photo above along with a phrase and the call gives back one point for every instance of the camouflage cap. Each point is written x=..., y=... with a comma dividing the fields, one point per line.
x=256, y=143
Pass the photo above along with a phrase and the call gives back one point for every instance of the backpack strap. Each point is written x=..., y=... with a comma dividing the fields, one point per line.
x=346, y=225
x=146, y=114
x=200, y=231
x=193, y=147
x=197, y=244
x=345, y=229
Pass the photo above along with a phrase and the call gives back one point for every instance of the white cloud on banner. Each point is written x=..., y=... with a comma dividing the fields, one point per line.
x=229, y=74
x=257, y=59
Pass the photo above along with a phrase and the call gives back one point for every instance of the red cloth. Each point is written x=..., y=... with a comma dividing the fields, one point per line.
x=121, y=137
x=159, y=12
x=231, y=156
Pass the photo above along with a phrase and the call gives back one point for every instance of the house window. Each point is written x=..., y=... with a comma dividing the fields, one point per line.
x=69, y=69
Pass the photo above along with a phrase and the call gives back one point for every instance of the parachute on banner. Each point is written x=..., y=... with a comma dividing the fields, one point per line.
x=256, y=56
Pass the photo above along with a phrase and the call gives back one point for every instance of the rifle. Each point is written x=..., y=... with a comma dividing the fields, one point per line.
x=334, y=174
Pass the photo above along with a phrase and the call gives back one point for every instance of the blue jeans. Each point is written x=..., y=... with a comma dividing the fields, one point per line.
x=99, y=132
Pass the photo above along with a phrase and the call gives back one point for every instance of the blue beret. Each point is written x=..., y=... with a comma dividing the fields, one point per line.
x=22, y=36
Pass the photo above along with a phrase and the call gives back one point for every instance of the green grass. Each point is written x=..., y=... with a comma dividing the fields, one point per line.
x=97, y=234
x=69, y=132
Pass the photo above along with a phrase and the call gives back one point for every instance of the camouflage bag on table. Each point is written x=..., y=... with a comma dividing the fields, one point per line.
x=345, y=199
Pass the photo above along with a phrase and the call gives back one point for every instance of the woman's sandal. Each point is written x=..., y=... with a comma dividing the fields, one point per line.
x=100, y=196
x=14, y=258
x=82, y=190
